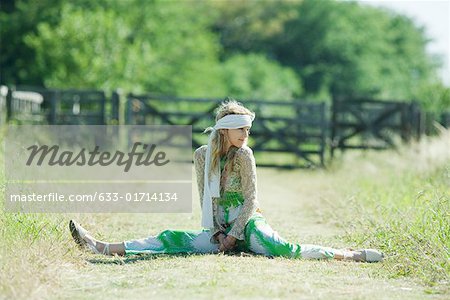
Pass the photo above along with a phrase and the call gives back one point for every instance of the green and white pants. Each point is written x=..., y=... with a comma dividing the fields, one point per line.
x=260, y=238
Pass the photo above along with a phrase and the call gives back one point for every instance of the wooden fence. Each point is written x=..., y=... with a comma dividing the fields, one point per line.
x=366, y=123
x=284, y=134
x=31, y=105
x=77, y=107
x=445, y=119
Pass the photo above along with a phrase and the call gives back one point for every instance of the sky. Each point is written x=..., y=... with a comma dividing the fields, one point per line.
x=434, y=16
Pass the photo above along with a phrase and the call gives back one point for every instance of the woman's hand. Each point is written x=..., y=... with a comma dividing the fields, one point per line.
x=220, y=237
x=227, y=243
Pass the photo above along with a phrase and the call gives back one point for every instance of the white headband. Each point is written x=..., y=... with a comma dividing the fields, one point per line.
x=211, y=188
x=234, y=122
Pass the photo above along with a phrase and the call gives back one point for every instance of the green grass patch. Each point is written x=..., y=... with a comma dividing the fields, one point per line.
x=399, y=202
x=409, y=221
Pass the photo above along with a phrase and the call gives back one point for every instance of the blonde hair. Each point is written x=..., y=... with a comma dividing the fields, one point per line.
x=228, y=107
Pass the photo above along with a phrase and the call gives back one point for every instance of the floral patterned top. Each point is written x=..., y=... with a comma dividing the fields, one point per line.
x=238, y=188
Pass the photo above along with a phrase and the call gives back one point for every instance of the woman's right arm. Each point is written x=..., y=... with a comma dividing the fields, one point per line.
x=199, y=163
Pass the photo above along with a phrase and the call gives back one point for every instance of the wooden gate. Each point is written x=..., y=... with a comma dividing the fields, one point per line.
x=74, y=107
x=284, y=134
x=366, y=123
x=34, y=105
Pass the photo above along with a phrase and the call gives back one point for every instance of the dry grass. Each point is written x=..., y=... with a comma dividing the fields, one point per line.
x=39, y=260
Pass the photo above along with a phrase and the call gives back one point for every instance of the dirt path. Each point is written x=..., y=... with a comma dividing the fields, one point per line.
x=291, y=201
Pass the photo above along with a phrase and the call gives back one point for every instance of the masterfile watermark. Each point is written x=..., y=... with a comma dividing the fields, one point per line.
x=120, y=168
x=95, y=157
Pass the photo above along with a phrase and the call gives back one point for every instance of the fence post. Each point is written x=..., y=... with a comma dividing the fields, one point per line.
x=334, y=108
x=405, y=121
x=323, y=129
x=9, y=104
x=53, y=100
x=115, y=99
x=128, y=110
x=103, y=109
x=417, y=117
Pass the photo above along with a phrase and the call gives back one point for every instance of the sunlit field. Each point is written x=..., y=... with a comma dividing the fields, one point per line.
x=396, y=201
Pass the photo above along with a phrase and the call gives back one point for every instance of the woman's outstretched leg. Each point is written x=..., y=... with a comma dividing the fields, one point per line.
x=173, y=241
x=262, y=239
x=84, y=239
x=168, y=241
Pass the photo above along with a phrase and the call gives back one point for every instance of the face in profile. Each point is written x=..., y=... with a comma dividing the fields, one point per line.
x=237, y=137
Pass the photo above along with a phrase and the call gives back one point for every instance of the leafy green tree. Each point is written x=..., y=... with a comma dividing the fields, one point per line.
x=335, y=47
x=346, y=48
x=247, y=26
x=161, y=47
x=250, y=49
x=253, y=76
x=17, y=19
x=145, y=46
x=435, y=97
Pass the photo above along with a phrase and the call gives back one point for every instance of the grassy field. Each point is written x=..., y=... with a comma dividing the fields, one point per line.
x=397, y=201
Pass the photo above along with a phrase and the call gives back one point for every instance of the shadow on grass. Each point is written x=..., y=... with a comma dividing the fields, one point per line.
x=121, y=260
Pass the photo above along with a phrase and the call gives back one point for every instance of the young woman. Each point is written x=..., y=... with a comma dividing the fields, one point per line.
x=226, y=177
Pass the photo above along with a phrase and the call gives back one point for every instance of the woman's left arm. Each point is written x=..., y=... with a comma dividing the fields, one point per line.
x=248, y=182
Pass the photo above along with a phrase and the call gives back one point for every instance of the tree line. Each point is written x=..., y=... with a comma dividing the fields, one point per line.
x=276, y=50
